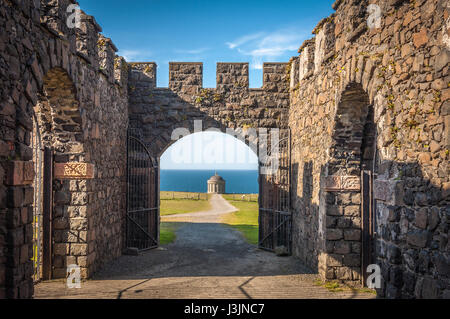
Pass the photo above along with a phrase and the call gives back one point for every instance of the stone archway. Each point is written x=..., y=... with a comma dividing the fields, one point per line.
x=157, y=112
x=351, y=152
x=59, y=114
x=60, y=122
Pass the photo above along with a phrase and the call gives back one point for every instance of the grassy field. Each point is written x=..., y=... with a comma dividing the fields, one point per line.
x=181, y=205
x=167, y=233
x=245, y=220
x=183, y=195
x=241, y=197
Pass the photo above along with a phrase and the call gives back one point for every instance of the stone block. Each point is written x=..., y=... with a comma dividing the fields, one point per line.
x=352, y=234
x=62, y=197
x=15, y=196
x=334, y=260
x=79, y=198
x=352, y=211
x=342, y=183
x=78, y=249
x=19, y=173
x=388, y=191
x=335, y=210
x=60, y=249
x=342, y=247
x=352, y=260
x=61, y=223
x=393, y=254
x=421, y=218
x=77, y=211
x=344, y=273
x=418, y=238
x=73, y=170
x=78, y=224
x=333, y=234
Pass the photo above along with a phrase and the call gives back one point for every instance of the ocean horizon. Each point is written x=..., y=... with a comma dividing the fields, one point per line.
x=195, y=180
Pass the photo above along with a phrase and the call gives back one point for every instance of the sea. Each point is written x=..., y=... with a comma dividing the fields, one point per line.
x=236, y=181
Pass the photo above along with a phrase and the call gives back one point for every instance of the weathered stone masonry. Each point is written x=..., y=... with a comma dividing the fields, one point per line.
x=355, y=99
x=77, y=87
x=156, y=112
x=375, y=99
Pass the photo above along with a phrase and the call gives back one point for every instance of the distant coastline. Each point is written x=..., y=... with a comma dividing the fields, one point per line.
x=238, y=181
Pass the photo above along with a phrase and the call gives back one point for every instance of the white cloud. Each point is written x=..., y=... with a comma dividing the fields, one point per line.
x=135, y=55
x=266, y=46
x=194, y=51
x=243, y=40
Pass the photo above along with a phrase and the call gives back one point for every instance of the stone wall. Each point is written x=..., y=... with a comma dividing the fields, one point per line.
x=375, y=99
x=156, y=112
x=72, y=80
x=361, y=97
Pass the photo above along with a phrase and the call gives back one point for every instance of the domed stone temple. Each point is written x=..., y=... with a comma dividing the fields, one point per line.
x=216, y=185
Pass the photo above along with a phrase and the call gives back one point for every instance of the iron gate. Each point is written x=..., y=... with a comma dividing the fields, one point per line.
x=142, y=196
x=275, y=218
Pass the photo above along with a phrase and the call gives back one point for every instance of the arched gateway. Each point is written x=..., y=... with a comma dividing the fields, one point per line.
x=160, y=116
x=361, y=119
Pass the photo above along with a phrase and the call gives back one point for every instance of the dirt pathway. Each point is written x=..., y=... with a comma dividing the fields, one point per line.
x=207, y=260
x=219, y=207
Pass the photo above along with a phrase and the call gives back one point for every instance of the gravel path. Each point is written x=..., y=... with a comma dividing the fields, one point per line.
x=219, y=207
x=207, y=260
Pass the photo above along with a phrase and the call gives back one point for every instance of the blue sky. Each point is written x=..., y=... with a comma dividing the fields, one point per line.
x=208, y=31
x=209, y=150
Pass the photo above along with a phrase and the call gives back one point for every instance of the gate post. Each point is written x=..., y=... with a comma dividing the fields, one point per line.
x=47, y=212
x=367, y=222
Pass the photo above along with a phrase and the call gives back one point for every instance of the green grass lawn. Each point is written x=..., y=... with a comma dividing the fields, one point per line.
x=245, y=220
x=182, y=206
x=167, y=233
x=183, y=195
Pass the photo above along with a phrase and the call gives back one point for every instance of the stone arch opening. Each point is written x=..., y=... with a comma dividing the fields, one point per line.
x=216, y=176
x=348, y=194
x=58, y=113
x=213, y=147
x=353, y=138
x=61, y=216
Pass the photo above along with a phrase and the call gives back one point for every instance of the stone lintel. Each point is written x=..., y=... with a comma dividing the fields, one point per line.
x=342, y=183
x=73, y=170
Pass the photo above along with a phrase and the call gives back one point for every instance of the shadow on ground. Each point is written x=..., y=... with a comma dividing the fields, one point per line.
x=202, y=249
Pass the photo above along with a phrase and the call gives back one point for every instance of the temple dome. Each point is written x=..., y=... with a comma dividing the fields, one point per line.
x=216, y=178
x=216, y=184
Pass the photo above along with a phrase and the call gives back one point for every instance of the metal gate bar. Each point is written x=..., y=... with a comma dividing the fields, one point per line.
x=275, y=218
x=142, y=198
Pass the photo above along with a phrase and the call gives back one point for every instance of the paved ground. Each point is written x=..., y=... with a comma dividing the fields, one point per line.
x=207, y=260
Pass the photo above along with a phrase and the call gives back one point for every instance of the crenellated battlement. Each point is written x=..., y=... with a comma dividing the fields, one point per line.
x=188, y=76
x=83, y=39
